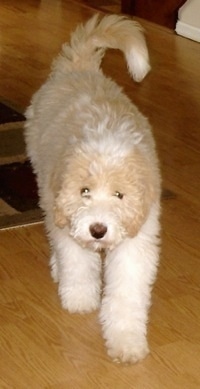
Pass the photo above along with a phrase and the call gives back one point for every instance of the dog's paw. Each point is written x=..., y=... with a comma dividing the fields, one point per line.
x=127, y=348
x=79, y=300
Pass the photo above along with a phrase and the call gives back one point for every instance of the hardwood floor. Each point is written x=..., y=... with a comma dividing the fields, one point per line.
x=42, y=346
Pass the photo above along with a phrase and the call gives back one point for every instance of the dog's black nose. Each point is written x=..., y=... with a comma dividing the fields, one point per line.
x=98, y=230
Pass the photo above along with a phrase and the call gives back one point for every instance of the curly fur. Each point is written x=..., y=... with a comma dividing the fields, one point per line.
x=98, y=177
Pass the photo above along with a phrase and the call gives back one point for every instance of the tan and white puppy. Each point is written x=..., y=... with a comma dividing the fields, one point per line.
x=95, y=161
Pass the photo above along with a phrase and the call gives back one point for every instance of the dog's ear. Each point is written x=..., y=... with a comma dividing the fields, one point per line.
x=60, y=219
x=137, y=217
x=144, y=192
x=149, y=197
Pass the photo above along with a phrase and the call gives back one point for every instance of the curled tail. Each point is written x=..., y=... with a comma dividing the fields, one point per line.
x=89, y=42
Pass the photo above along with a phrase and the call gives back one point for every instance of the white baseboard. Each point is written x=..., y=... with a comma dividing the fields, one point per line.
x=188, y=31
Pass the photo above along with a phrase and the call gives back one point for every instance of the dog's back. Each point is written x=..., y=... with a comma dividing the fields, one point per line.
x=76, y=83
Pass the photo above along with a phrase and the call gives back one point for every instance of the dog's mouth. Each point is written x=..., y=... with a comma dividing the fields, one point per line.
x=100, y=245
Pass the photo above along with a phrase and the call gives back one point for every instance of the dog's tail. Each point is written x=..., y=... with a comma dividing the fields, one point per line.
x=89, y=42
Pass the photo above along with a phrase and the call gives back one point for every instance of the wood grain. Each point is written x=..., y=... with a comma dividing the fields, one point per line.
x=41, y=345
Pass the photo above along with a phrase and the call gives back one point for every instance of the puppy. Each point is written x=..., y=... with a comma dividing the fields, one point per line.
x=99, y=184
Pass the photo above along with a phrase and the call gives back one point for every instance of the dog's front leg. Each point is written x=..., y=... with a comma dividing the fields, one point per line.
x=130, y=270
x=78, y=275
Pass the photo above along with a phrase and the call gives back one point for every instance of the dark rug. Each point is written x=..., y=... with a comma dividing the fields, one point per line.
x=18, y=188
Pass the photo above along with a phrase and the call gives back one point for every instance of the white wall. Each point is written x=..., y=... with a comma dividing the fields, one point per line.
x=188, y=23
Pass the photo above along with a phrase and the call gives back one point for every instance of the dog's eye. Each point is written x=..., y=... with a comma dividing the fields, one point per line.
x=85, y=192
x=119, y=195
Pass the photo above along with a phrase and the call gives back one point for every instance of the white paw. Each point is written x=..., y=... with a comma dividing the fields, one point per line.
x=126, y=348
x=79, y=300
x=54, y=268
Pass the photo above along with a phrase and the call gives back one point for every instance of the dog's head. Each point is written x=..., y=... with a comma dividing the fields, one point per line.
x=102, y=202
